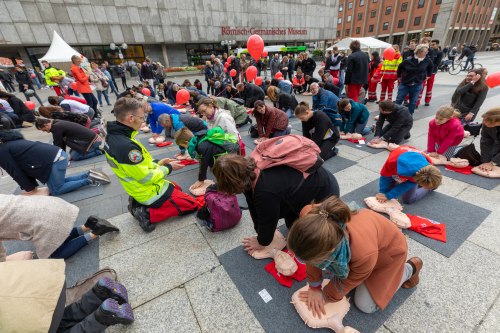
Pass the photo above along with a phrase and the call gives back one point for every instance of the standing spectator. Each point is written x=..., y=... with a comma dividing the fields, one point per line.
x=436, y=56
x=53, y=76
x=374, y=75
x=291, y=66
x=298, y=62
x=34, y=78
x=6, y=79
x=390, y=74
x=244, y=63
x=235, y=64
x=209, y=77
x=308, y=65
x=82, y=82
x=25, y=84
x=283, y=67
x=412, y=73
x=452, y=54
x=357, y=71
x=120, y=70
x=160, y=72
x=111, y=82
x=275, y=65
x=100, y=82
x=470, y=95
x=148, y=73
x=218, y=70
x=343, y=67
x=332, y=63
x=411, y=50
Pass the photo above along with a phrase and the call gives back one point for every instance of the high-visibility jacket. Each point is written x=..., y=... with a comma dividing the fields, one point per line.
x=390, y=67
x=50, y=72
x=141, y=177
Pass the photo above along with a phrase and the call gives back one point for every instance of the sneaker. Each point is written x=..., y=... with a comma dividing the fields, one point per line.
x=141, y=213
x=426, y=104
x=112, y=313
x=100, y=226
x=93, y=182
x=417, y=264
x=107, y=288
x=99, y=177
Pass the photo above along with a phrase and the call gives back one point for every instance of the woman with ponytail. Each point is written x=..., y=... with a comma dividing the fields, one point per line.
x=359, y=250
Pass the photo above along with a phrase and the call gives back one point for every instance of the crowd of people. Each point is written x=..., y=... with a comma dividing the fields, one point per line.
x=352, y=245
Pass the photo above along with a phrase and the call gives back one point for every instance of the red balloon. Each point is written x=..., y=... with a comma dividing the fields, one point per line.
x=30, y=105
x=335, y=81
x=232, y=72
x=146, y=91
x=33, y=76
x=258, y=81
x=264, y=54
x=278, y=75
x=182, y=96
x=251, y=73
x=225, y=69
x=73, y=85
x=389, y=53
x=228, y=60
x=227, y=64
x=255, y=46
x=493, y=80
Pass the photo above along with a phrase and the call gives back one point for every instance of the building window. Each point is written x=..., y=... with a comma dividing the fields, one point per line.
x=349, y=5
x=416, y=21
x=458, y=17
x=358, y=30
x=340, y=20
x=349, y=18
x=388, y=10
x=421, y=3
x=361, y=3
x=438, y=2
x=370, y=28
x=385, y=26
x=373, y=13
x=472, y=19
x=360, y=16
x=404, y=7
x=466, y=17
x=347, y=32
x=340, y=8
x=401, y=23
x=434, y=18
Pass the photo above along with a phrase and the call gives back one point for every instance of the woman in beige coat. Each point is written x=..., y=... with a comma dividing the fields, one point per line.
x=359, y=250
x=100, y=81
x=47, y=222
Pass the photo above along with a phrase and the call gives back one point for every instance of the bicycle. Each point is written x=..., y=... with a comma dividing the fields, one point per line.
x=458, y=66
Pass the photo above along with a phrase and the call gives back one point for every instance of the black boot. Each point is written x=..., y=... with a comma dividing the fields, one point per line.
x=107, y=288
x=141, y=213
x=407, y=136
x=112, y=313
x=99, y=226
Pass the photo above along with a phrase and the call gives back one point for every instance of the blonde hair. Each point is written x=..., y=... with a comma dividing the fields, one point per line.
x=314, y=236
x=492, y=116
x=447, y=112
x=429, y=176
x=183, y=136
x=273, y=93
x=421, y=47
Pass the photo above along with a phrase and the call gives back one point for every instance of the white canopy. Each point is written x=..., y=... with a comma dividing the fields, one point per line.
x=367, y=44
x=59, y=51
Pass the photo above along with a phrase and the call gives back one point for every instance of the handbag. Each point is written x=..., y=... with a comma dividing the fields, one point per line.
x=104, y=83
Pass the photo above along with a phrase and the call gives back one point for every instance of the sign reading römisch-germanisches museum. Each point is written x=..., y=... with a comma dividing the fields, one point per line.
x=228, y=31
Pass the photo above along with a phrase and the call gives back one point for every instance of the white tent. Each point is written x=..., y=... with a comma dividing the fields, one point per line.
x=60, y=53
x=368, y=44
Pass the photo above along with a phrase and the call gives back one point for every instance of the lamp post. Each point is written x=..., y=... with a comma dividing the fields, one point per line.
x=228, y=43
x=113, y=46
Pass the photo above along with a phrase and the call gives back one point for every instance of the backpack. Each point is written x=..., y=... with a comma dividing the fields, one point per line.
x=291, y=150
x=217, y=136
x=221, y=211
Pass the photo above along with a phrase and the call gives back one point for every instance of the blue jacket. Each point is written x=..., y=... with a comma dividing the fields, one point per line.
x=325, y=99
x=158, y=109
x=407, y=164
x=358, y=115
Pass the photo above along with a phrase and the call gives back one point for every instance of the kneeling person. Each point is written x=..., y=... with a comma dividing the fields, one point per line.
x=400, y=123
x=173, y=123
x=152, y=197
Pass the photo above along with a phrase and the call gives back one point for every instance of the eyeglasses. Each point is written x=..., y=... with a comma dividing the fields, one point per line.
x=134, y=115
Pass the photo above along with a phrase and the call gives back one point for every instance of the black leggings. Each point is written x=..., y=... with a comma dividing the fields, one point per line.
x=327, y=149
x=91, y=100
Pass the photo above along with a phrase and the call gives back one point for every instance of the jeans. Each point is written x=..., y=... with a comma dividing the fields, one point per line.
x=471, y=60
x=93, y=151
x=75, y=241
x=327, y=148
x=124, y=82
x=289, y=113
x=37, y=82
x=364, y=300
x=413, y=91
x=414, y=194
x=341, y=81
x=362, y=129
x=91, y=100
x=113, y=87
x=106, y=96
x=280, y=133
x=59, y=184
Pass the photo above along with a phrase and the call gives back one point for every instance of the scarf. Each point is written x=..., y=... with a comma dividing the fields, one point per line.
x=338, y=263
x=192, y=146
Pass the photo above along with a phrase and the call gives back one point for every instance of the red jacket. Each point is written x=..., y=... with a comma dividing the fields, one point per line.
x=82, y=79
x=298, y=81
x=446, y=135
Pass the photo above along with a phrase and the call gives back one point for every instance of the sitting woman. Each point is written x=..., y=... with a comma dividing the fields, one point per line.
x=445, y=133
x=48, y=223
x=359, y=250
x=470, y=95
x=279, y=192
x=409, y=173
x=30, y=162
x=173, y=123
x=206, y=148
x=281, y=100
x=354, y=117
x=21, y=112
x=318, y=127
x=490, y=140
x=271, y=122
